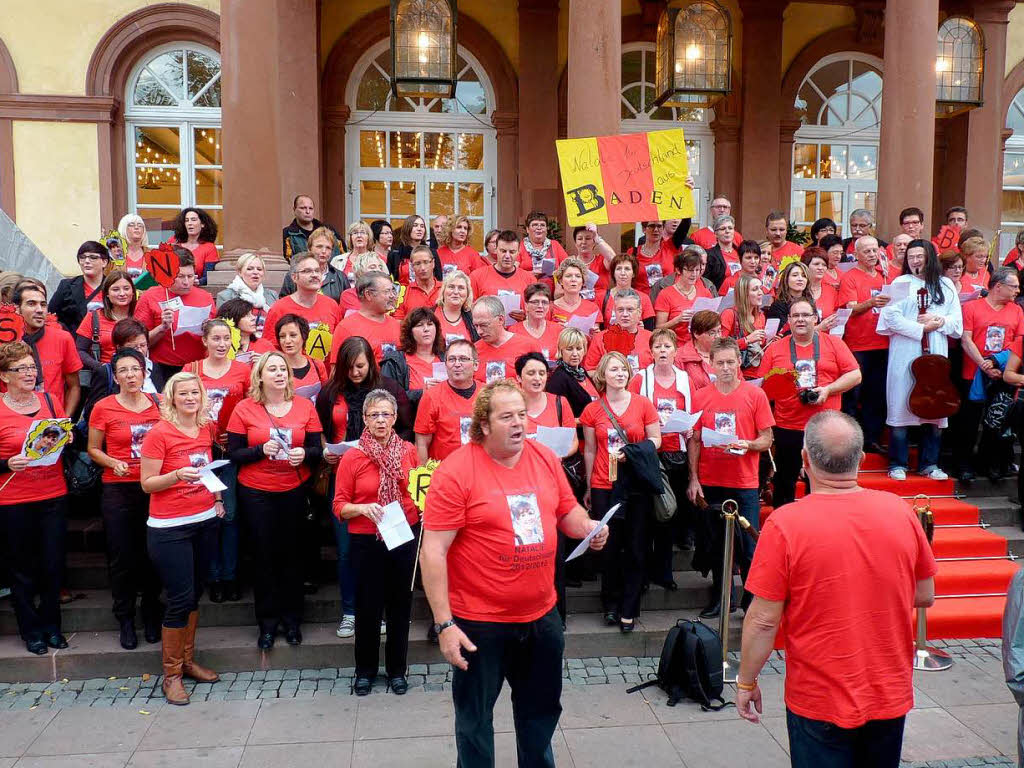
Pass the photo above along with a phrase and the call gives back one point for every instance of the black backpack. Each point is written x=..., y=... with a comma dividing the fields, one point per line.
x=690, y=666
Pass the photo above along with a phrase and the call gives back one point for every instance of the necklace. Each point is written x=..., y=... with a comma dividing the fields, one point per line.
x=18, y=403
x=458, y=316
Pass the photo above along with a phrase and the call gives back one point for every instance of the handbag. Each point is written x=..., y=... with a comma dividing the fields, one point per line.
x=81, y=473
x=574, y=467
x=1004, y=411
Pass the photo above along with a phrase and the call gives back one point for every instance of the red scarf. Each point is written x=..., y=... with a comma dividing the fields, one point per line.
x=388, y=459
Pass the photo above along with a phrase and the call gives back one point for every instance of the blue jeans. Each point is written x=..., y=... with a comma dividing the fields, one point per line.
x=224, y=565
x=346, y=573
x=928, y=450
x=820, y=744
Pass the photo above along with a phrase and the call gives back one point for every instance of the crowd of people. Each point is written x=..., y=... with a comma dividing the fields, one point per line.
x=392, y=346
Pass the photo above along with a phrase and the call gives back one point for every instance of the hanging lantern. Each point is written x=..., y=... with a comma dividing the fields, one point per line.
x=423, y=49
x=959, y=67
x=694, y=55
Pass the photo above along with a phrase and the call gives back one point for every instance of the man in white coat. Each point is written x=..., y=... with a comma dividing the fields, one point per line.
x=905, y=326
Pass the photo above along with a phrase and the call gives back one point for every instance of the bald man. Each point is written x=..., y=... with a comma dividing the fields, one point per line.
x=844, y=566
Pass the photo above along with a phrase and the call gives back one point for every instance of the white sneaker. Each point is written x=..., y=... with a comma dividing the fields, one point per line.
x=898, y=474
x=347, y=626
x=383, y=627
x=936, y=474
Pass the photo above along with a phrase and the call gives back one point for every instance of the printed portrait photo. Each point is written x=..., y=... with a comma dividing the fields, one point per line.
x=139, y=432
x=464, y=422
x=995, y=337
x=614, y=441
x=495, y=370
x=526, y=523
x=806, y=374
x=725, y=422
x=666, y=407
x=216, y=398
x=45, y=440
x=283, y=436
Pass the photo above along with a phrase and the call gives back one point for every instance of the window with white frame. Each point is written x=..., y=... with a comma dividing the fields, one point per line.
x=172, y=127
x=835, y=151
x=1013, y=174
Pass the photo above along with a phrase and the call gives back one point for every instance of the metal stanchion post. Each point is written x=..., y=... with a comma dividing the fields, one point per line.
x=927, y=659
x=730, y=511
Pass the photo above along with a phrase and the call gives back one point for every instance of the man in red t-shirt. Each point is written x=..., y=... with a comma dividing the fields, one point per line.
x=376, y=298
x=860, y=290
x=504, y=278
x=845, y=567
x=824, y=368
x=321, y=312
x=731, y=408
x=627, y=316
x=445, y=410
x=490, y=540
x=425, y=287
x=498, y=348
x=775, y=228
x=57, y=361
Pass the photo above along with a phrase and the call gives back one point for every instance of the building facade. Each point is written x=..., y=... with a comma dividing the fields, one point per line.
x=238, y=105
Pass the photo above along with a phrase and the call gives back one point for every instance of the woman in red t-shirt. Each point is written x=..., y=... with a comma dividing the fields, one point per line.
x=33, y=500
x=370, y=477
x=570, y=279
x=412, y=367
x=292, y=332
x=694, y=357
x=196, y=232
x=745, y=322
x=455, y=252
x=248, y=344
x=183, y=522
x=824, y=294
x=274, y=438
x=539, y=332
x=624, y=270
x=95, y=330
x=624, y=563
x=454, y=303
x=117, y=425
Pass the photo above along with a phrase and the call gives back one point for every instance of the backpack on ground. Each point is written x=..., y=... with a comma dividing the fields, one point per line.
x=690, y=666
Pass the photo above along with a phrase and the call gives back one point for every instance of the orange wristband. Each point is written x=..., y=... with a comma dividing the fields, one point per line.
x=746, y=686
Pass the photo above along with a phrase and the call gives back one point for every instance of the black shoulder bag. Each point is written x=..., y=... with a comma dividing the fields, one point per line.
x=575, y=469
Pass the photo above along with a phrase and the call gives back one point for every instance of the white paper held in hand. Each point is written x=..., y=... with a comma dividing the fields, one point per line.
x=702, y=303
x=310, y=391
x=210, y=480
x=558, y=439
x=583, y=324
x=842, y=316
x=438, y=372
x=393, y=527
x=712, y=438
x=584, y=545
x=771, y=327
x=191, y=319
x=339, y=449
x=896, y=291
x=681, y=421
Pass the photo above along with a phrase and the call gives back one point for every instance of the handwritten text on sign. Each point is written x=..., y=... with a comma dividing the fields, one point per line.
x=631, y=177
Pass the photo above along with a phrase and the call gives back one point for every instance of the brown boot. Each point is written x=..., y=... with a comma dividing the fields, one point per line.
x=189, y=667
x=173, y=649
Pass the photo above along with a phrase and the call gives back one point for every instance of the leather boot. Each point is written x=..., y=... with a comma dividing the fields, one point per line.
x=189, y=667
x=173, y=649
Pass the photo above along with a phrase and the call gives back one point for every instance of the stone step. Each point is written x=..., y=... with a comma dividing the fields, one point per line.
x=227, y=649
x=1014, y=537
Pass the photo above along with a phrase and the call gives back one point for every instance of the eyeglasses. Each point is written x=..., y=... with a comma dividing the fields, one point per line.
x=91, y=257
x=380, y=416
x=133, y=369
x=24, y=369
x=386, y=291
x=538, y=302
x=307, y=272
x=801, y=316
x=462, y=360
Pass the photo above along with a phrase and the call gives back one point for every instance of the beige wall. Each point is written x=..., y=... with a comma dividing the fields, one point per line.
x=806, y=21
x=57, y=187
x=1015, y=39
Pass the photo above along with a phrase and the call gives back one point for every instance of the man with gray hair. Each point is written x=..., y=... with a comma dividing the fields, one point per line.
x=498, y=348
x=862, y=222
x=705, y=236
x=321, y=312
x=844, y=566
x=376, y=295
x=627, y=321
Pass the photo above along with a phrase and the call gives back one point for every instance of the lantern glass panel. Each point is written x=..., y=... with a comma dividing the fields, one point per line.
x=959, y=63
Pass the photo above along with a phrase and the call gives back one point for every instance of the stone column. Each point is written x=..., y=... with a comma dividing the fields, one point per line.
x=507, y=212
x=726, y=128
x=907, y=147
x=761, y=113
x=270, y=115
x=335, y=194
x=595, y=74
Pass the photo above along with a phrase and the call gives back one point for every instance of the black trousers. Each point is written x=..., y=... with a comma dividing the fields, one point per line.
x=529, y=657
x=624, y=557
x=866, y=401
x=181, y=555
x=383, y=586
x=786, y=450
x=275, y=520
x=663, y=535
x=820, y=744
x=35, y=534
x=125, y=510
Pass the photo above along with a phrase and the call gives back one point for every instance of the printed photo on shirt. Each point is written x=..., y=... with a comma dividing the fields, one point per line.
x=283, y=437
x=995, y=337
x=45, y=440
x=666, y=407
x=587, y=293
x=526, y=522
x=725, y=422
x=734, y=267
x=495, y=370
x=216, y=397
x=386, y=347
x=198, y=461
x=464, y=422
x=615, y=443
x=450, y=337
x=654, y=273
x=634, y=362
x=447, y=269
x=139, y=432
x=806, y=374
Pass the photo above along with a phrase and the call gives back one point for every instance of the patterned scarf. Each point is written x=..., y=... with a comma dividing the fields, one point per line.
x=537, y=255
x=576, y=371
x=388, y=459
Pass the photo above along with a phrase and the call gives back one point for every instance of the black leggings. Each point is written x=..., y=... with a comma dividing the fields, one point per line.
x=623, y=557
x=124, y=522
x=35, y=534
x=275, y=520
x=181, y=555
x=788, y=463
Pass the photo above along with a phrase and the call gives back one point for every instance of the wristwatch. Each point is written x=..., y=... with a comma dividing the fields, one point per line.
x=439, y=628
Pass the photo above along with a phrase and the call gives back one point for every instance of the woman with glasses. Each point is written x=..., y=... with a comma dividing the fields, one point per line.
x=383, y=238
x=77, y=296
x=694, y=357
x=537, y=246
x=94, y=332
x=674, y=305
x=624, y=270
x=541, y=334
x=723, y=260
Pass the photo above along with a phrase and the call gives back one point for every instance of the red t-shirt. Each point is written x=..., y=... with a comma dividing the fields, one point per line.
x=488, y=281
x=452, y=331
x=349, y=302
x=672, y=301
x=731, y=328
x=973, y=283
x=123, y=432
x=464, y=260
x=607, y=305
x=835, y=360
x=31, y=483
x=500, y=362
x=634, y=421
x=383, y=336
x=106, y=328
x=204, y=253
x=234, y=383
x=639, y=357
x=419, y=369
x=176, y=450
x=826, y=302
x=547, y=344
x=501, y=565
x=991, y=331
x=786, y=249
x=653, y=268
x=315, y=373
x=744, y=412
x=252, y=420
x=58, y=358
x=188, y=346
x=556, y=252
x=417, y=297
x=846, y=566
x=549, y=416
x=705, y=238
x=731, y=280
x=325, y=314
x=446, y=415
x=586, y=308
x=857, y=286
x=357, y=481
x=666, y=401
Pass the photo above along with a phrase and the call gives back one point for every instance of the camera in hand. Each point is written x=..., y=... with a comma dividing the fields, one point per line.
x=808, y=396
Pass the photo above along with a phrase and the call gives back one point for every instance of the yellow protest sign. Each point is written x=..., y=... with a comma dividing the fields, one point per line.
x=318, y=345
x=419, y=483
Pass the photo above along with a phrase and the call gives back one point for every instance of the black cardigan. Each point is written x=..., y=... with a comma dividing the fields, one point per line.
x=561, y=383
x=68, y=303
x=403, y=425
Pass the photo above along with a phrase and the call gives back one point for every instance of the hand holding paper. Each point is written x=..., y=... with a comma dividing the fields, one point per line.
x=558, y=439
x=584, y=545
x=681, y=421
x=393, y=527
x=584, y=324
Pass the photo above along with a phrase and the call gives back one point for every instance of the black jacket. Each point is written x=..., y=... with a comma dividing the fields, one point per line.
x=561, y=383
x=355, y=398
x=400, y=254
x=395, y=367
x=294, y=239
x=69, y=303
x=335, y=283
x=715, y=270
x=640, y=474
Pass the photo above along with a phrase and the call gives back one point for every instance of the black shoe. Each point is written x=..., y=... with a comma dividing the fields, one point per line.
x=363, y=685
x=217, y=592
x=967, y=476
x=398, y=685
x=627, y=626
x=309, y=587
x=431, y=635
x=611, y=618
x=265, y=641
x=231, y=591
x=668, y=585
x=56, y=640
x=151, y=627
x=36, y=645
x=293, y=636
x=129, y=640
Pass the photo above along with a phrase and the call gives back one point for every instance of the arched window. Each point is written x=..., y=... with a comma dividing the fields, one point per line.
x=172, y=127
x=1013, y=174
x=835, y=151
x=425, y=156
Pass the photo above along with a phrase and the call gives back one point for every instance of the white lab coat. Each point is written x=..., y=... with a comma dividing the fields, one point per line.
x=898, y=321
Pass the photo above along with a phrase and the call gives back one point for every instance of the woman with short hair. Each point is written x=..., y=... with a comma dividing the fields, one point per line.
x=722, y=258
x=359, y=238
x=823, y=294
x=292, y=332
x=76, y=296
x=383, y=239
x=835, y=252
x=694, y=357
x=539, y=332
x=248, y=284
x=568, y=378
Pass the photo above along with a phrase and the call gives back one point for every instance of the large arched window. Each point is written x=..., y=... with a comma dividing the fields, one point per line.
x=835, y=151
x=1013, y=174
x=424, y=156
x=172, y=127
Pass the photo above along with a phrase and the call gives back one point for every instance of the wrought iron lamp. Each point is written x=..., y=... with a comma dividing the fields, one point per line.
x=694, y=55
x=959, y=67
x=423, y=48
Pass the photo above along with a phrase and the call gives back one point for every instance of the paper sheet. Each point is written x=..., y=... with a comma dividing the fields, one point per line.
x=970, y=296
x=584, y=324
x=771, y=327
x=681, y=421
x=393, y=527
x=711, y=438
x=896, y=291
x=438, y=372
x=547, y=267
x=729, y=300
x=591, y=280
x=766, y=299
x=846, y=266
x=175, y=304
x=210, y=480
x=338, y=449
x=558, y=439
x=310, y=391
x=191, y=319
x=584, y=545
x=703, y=302
x=842, y=315
x=512, y=303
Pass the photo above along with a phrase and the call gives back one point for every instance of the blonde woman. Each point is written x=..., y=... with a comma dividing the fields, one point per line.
x=183, y=525
x=250, y=270
x=571, y=278
x=361, y=263
x=745, y=323
x=274, y=438
x=454, y=307
x=455, y=252
x=359, y=239
x=133, y=229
